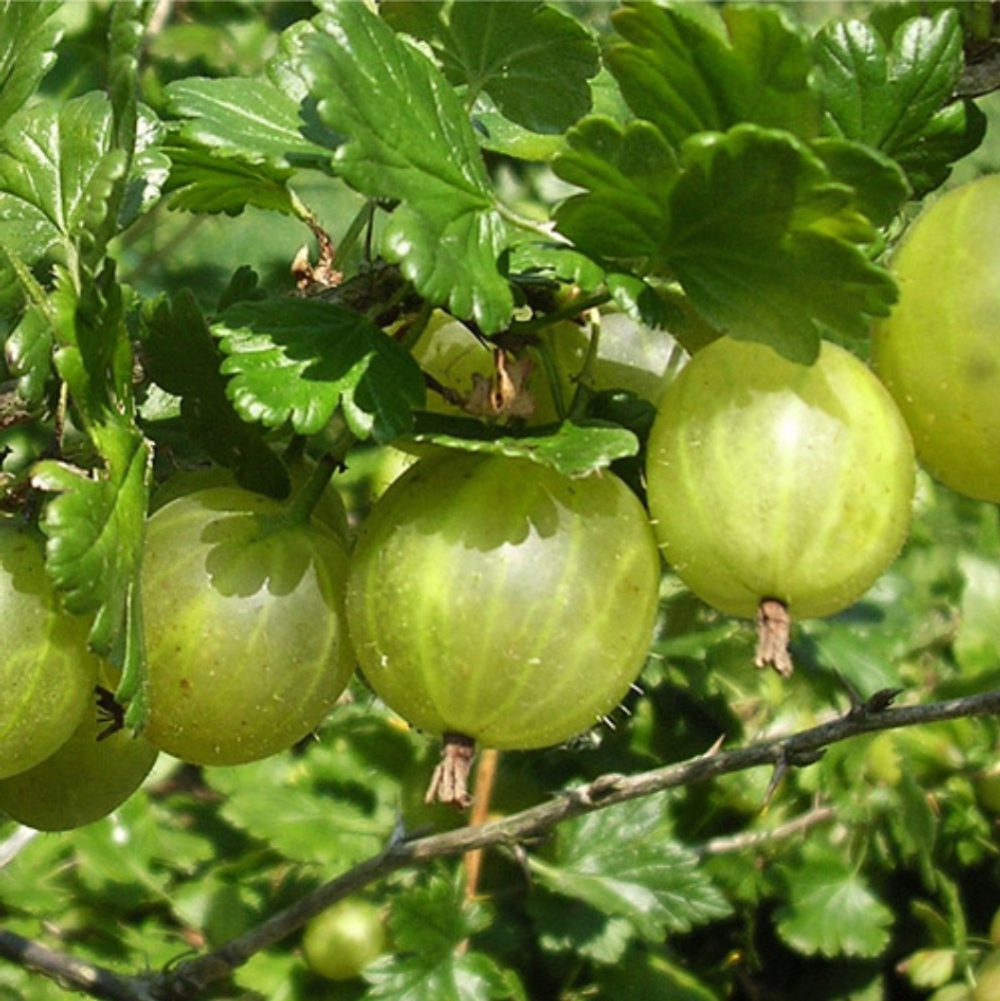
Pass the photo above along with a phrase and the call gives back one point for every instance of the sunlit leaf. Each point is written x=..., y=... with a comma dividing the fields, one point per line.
x=533, y=60
x=898, y=99
x=622, y=862
x=409, y=138
x=295, y=361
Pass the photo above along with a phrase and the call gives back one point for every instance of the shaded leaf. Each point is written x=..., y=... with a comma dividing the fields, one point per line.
x=296, y=360
x=28, y=354
x=653, y=976
x=182, y=358
x=764, y=243
x=409, y=138
x=571, y=926
x=628, y=173
x=762, y=238
x=469, y=976
x=676, y=72
x=432, y=919
x=427, y=924
x=533, y=60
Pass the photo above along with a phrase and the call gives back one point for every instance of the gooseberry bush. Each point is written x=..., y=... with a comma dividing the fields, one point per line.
x=498, y=500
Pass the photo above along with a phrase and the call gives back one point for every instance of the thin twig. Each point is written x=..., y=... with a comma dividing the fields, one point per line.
x=730, y=843
x=71, y=972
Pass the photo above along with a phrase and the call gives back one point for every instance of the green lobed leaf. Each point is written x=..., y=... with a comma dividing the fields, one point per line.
x=533, y=60
x=430, y=920
x=28, y=37
x=352, y=774
x=879, y=184
x=764, y=241
x=182, y=358
x=202, y=181
x=573, y=448
x=95, y=522
x=296, y=360
x=628, y=173
x=28, y=354
x=468, y=976
x=248, y=120
x=409, y=138
x=676, y=72
x=898, y=99
x=556, y=261
x=562, y=926
x=831, y=910
x=622, y=862
x=427, y=924
x=57, y=173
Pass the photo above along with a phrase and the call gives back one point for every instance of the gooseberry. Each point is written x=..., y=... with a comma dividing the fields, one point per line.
x=246, y=644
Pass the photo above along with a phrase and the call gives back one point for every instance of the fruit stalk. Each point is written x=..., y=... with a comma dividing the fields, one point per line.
x=774, y=626
x=450, y=781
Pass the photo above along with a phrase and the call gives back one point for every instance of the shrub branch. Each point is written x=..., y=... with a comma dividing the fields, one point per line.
x=189, y=980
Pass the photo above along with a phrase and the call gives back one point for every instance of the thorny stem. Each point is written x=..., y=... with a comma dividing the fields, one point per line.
x=190, y=980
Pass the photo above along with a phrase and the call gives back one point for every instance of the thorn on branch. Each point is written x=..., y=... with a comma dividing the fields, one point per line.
x=788, y=759
x=881, y=700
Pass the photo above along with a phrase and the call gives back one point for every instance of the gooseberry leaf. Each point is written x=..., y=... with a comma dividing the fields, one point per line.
x=628, y=174
x=898, y=99
x=764, y=241
x=282, y=799
x=296, y=360
x=427, y=924
x=248, y=120
x=581, y=929
x=28, y=37
x=879, y=183
x=623, y=862
x=58, y=171
x=574, y=449
x=533, y=60
x=409, y=139
x=182, y=358
x=766, y=244
x=94, y=523
x=28, y=354
x=434, y=918
x=467, y=976
x=831, y=910
x=684, y=77
x=204, y=181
